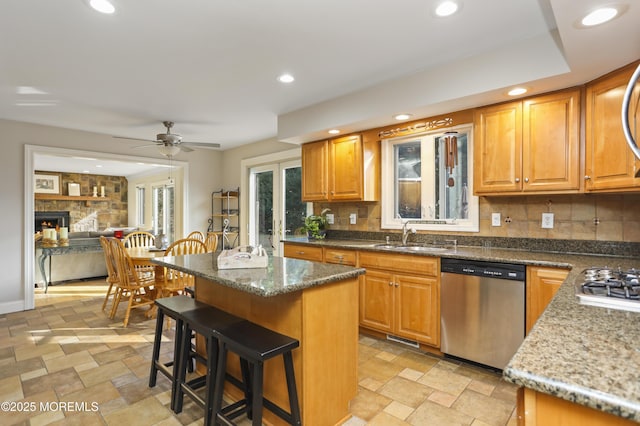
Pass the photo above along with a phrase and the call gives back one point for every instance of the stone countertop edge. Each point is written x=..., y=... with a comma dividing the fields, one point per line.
x=583, y=354
x=281, y=276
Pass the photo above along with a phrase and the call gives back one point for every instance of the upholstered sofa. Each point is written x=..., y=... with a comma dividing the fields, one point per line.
x=77, y=266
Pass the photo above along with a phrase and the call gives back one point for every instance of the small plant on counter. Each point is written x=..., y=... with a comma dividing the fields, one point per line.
x=315, y=225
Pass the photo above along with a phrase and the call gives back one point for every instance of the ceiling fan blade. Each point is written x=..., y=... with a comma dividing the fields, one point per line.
x=134, y=139
x=146, y=145
x=202, y=145
x=185, y=148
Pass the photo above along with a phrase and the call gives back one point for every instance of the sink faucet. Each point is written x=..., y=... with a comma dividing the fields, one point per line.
x=406, y=231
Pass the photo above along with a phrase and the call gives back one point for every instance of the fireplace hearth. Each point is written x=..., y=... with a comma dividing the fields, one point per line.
x=51, y=220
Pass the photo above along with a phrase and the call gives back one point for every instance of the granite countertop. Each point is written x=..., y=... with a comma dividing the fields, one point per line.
x=584, y=354
x=281, y=276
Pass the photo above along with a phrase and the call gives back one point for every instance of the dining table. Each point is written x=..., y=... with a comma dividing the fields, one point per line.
x=141, y=258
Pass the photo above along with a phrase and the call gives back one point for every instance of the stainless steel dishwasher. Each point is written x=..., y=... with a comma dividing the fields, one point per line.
x=482, y=310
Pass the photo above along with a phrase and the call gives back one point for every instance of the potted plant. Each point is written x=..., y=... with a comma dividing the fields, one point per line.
x=315, y=225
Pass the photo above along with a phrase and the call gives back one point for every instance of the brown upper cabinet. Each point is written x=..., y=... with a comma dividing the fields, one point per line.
x=338, y=170
x=528, y=146
x=610, y=164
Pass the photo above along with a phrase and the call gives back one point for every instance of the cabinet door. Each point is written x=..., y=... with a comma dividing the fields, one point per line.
x=498, y=148
x=417, y=308
x=610, y=163
x=346, y=169
x=376, y=301
x=542, y=285
x=315, y=171
x=550, y=142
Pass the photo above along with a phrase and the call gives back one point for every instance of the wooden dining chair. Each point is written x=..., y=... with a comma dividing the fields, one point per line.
x=175, y=281
x=112, y=275
x=133, y=285
x=139, y=239
x=196, y=235
x=211, y=242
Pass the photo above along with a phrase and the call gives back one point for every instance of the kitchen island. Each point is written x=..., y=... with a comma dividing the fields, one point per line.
x=579, y=365
x=313, y=302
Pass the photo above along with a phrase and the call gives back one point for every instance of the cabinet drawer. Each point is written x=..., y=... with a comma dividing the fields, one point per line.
x=342, y=257
x=304, y=252
x=401, y=262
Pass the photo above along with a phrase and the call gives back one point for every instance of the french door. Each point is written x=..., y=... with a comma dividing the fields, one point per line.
x=163, y=201
x=276, y=208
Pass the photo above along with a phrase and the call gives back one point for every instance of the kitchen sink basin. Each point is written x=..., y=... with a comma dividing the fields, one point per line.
x=411, y=248
x=425, y=249
x=387, y=246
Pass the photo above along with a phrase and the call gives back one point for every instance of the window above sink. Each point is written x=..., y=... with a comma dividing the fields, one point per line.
x=429, y=177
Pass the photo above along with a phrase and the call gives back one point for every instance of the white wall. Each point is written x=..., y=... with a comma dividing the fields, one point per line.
x=204, y=176
x=233, y=157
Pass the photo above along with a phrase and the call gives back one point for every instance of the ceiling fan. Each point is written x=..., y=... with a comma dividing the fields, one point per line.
x=169, y=144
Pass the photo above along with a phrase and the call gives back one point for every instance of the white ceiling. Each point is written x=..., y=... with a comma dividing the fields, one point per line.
x=211, y=66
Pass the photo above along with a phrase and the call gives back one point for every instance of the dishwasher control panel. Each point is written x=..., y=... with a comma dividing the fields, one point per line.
x=506, y=271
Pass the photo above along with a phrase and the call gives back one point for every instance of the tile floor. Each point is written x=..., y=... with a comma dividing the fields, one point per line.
x=66, y=363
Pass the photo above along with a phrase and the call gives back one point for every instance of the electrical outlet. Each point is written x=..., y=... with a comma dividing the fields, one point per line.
x=352, y=218
x=547, y=220
x=495, y=219
x=330, y=218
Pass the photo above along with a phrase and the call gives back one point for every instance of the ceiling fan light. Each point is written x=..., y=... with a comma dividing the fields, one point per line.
x=168, y=150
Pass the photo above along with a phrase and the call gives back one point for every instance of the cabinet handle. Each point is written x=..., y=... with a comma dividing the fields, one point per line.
x=300, y=252
x=390, y=283
x=526, y=179
x=517, y=180
x=587, y=177
x=397, y=284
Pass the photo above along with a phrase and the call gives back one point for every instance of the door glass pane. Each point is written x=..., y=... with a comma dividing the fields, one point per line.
x=295, y=210
x=408, y=177
x=164, y=211
x=264, y=210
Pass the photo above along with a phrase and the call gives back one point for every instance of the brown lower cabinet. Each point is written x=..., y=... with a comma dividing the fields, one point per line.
x=542, y=284
x=400, y=295
x=539, y=409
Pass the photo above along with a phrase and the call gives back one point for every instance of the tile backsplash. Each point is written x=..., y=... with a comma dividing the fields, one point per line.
x=603, y=217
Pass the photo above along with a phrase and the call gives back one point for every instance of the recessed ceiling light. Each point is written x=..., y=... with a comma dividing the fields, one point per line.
x=286, y=78
x=517, y=91
x=98, y=165
x=599, y=16
x=401, y=117
x=334, y=131
x=29, y=90
x=85, y=171
x=447, y=8
x=102, y=6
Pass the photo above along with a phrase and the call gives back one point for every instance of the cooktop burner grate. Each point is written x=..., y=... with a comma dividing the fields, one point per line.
x=607, y=287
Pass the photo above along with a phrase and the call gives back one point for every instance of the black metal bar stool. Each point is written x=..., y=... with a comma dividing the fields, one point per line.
x=172, y=307
x=254, y=345
x=207, y=323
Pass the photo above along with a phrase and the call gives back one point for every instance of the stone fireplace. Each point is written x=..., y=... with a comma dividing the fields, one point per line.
x=51, y=220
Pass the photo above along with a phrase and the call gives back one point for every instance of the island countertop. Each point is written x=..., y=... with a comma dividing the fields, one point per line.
x=282, y=275
x=584, y=354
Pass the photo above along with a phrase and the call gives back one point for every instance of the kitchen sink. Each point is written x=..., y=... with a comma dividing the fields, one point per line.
x=411, y=248
x=425, y=249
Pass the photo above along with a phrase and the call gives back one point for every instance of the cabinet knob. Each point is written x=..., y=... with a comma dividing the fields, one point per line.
x=397, y=284
x=587, y=177
x=517, y=180
x=526, y=179
x=390, y=283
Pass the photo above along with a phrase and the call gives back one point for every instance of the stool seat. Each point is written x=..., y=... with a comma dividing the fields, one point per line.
x=206, y=322
x=173, y=307
x=254, y=345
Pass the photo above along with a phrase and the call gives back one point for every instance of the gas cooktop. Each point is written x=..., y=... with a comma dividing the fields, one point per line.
x=609, y=288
